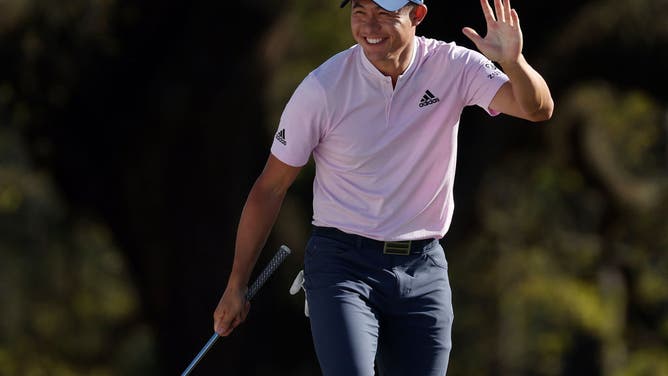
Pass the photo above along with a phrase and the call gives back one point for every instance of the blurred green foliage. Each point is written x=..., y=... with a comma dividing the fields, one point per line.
x=67, y=302
x=572, y=244
x=306, y=34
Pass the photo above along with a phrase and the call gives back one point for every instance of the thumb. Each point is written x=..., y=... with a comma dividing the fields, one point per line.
x=472, y=35
x=226, y=326
x=220, y=324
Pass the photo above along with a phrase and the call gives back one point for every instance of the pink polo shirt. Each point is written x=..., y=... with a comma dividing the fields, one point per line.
x=385, y=157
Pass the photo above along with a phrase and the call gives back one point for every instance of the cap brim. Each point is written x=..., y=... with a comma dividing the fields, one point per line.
x=390, y=5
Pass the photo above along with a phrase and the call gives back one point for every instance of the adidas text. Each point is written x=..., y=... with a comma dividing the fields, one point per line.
x=427, y=103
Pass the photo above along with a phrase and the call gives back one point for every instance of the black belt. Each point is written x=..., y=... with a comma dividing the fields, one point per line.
x=404, y=247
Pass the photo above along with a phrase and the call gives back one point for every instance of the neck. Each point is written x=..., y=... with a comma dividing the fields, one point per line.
x=394, y=66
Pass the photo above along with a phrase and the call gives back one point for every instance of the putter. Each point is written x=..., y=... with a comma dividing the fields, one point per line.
x=277, y=260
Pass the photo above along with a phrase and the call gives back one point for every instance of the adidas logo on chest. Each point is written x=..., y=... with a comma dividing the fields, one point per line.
x=428, y=98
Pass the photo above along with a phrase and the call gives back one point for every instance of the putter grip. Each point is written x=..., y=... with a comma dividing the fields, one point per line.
x=274, y=263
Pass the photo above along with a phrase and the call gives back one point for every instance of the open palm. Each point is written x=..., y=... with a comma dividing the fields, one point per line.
x=503, y=42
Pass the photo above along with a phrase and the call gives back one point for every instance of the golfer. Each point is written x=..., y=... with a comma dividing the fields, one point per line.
x=380, y=120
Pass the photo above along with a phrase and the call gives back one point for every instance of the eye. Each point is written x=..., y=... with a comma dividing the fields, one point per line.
x=388, y=15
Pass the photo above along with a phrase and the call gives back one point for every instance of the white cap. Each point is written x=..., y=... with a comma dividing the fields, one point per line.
x=391, y=5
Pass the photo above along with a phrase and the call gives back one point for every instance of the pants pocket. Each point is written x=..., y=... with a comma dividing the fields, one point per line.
x=437, y=257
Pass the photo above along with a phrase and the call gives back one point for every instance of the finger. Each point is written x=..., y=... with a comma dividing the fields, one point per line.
x=515, y=18
x=507, y=11
x=472, y=35
x=221, y=328
x=500, y=13
x=218, y=326
x=233, y=325
x=217, y=317
x=227, y=332
x=225, y=326
x=487, y=11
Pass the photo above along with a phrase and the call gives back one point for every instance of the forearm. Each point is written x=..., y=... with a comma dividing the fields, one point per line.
x=529, y=89
x=257, y=219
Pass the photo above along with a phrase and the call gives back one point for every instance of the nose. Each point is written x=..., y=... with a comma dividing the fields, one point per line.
x=372, y=24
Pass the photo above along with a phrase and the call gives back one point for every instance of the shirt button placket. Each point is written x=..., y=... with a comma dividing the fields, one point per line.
x=389, y=96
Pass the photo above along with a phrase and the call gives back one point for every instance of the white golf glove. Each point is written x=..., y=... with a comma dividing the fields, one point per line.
x=298, y=284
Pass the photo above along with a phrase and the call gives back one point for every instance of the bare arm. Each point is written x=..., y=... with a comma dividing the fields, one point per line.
x=526, y=95
x=257, y=219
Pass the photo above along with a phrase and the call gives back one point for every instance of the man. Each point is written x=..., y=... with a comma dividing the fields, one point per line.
x=381, y=120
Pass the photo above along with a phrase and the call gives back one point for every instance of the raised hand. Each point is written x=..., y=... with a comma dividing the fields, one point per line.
x=503, y=42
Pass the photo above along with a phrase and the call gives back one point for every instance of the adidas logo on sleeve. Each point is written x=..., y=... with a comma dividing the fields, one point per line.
x=428, y=99
x=280, y=137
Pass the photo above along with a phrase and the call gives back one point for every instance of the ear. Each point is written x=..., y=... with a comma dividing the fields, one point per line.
x=418, y=14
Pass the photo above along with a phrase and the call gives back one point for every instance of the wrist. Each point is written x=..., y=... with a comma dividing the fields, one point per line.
x=237, y=282
x=511, y=65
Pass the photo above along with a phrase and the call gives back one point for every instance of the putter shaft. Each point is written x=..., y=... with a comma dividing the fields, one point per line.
x=199, y=356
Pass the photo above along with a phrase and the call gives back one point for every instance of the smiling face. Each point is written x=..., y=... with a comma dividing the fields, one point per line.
x=386, y=37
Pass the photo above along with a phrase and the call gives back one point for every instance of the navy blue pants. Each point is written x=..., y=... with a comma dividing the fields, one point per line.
x=367, y=306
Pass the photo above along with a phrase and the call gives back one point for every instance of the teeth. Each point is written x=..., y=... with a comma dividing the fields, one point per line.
x=373, y=40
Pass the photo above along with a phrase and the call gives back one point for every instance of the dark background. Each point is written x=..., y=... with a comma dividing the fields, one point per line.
x=131, y=132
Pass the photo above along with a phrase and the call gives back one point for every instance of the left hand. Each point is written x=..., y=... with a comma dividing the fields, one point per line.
x=503, y=42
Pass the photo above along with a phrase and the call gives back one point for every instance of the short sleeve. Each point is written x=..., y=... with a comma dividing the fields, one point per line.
x=482, y=80
x=302, y=124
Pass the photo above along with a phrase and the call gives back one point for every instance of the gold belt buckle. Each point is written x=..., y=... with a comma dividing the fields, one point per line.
x=402, y=248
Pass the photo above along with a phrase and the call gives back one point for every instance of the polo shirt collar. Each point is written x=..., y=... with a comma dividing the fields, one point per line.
x=369, y=67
